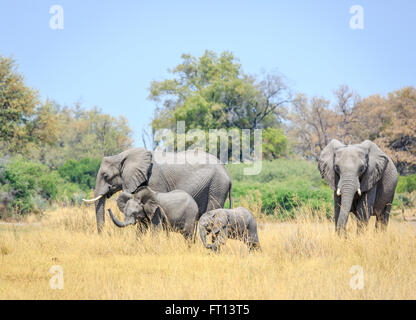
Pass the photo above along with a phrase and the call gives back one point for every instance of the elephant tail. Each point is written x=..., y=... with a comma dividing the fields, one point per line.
x=230, y=198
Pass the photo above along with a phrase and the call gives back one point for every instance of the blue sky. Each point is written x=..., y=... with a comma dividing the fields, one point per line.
x=109, y=51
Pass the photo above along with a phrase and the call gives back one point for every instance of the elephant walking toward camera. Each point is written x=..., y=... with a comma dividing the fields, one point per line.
x=196, y=172
x=175, y=210
x=236, y=224
x=364, y=181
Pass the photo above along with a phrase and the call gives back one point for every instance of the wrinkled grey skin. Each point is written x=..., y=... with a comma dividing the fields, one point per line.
x=225, y=224
x=175, y=210
x=354, y=169
x=207, y=182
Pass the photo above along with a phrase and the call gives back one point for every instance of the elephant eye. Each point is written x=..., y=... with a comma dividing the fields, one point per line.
x=362, y=169
x=337, y=168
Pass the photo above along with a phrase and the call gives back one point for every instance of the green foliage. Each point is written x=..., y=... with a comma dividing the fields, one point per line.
x=406, y=184
x=213, y=92
x=282, y=199
x=22, y=117
x=274, y=143
x=82, y=133
x=33, y=185
x=283, y=185
x=82, y=172
x=281, y=170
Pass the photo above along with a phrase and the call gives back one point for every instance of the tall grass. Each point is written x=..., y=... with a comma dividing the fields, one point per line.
x=302, y=258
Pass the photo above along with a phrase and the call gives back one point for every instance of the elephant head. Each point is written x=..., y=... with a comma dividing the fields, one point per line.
x=139, y=207
x=127, y=170
x=216, y=225
x=351, y=170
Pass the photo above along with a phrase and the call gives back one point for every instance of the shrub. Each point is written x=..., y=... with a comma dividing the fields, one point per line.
x=274, y=143
x=32, y=185
x=82, y=172
x=282, y=186
x=406, y=184
x=282, y=198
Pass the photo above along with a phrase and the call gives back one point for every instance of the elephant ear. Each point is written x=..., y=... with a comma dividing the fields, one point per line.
x=377, y=162
x=122, y=200
x=150, y=208
x=326, y=162
x=135, y=167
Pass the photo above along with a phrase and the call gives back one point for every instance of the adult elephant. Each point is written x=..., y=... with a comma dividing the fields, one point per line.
x=196, y=172
x=364, y=180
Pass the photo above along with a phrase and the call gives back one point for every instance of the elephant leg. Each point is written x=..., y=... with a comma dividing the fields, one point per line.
x=382, y=210
x=166, y=229
x=383, y=218
x=362, y=219
x=213, y=203
x=142, y=228
x=254, y=246
x=386, y=215
x=219, y=238
x=364, y=209
x=194, y=231
x=217, y=242
x=188, y=238
x=189, y=233
x=362, y=225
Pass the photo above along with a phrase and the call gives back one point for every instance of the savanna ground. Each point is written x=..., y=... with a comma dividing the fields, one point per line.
x=301, y=259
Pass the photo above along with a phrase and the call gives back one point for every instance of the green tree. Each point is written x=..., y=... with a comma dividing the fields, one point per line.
x=274, y=143
x=18, y=107
x=213, y=92
x=82, y=133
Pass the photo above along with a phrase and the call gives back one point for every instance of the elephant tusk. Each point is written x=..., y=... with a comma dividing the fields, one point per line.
x=92, y=200
x=359, y=192
x=338, y=192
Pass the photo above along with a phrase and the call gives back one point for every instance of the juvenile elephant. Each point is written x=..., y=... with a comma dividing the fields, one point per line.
x=175, y=210
x=236, y=224
x=364, y=180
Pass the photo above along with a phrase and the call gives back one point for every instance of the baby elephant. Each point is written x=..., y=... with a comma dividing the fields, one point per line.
x=176, y=210
x=236, y=224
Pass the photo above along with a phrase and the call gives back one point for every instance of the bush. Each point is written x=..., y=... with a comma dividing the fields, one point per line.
x=32, y=185
x=274, y=143
x=283, y=185
x=278, y=198
x=406, y=184
x=82, y=172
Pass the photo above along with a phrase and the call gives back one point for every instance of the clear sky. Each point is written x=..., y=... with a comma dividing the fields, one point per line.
x=109, y=51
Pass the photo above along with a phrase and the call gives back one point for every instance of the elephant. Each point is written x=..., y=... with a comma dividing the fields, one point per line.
x=201, y=175
x=236, y=224
x=175, y=210
x=364, y=181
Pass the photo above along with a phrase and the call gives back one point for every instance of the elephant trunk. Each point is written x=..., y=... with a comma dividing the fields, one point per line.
x=203, y=235
x=127, y=221
x=99, y=213
x=348, y=188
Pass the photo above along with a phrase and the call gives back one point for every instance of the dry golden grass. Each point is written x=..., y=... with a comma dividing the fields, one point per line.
x=303, y=259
